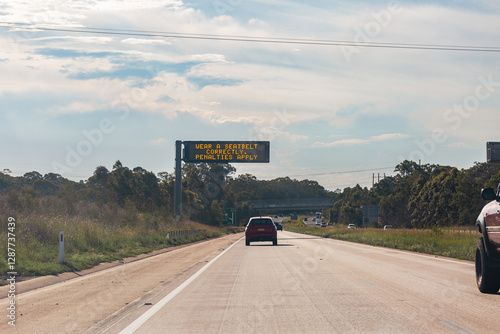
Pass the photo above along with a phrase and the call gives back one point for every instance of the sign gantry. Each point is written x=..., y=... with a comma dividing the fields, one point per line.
x=226, y=151
x=215, y=152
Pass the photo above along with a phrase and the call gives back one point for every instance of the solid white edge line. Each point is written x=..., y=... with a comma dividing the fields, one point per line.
x=398, y=251
x=455, y=327
x=155, y=308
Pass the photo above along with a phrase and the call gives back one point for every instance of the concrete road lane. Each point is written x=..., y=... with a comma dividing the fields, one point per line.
x=304, y=285
x=316, y=285
x=77, y=304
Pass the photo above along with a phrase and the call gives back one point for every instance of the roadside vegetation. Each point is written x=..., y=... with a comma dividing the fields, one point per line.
x=419, y=196
x=456, y=243
x=92, y=235
x=122, y=212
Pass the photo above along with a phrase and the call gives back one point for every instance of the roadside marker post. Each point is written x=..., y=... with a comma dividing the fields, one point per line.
x=61, y=247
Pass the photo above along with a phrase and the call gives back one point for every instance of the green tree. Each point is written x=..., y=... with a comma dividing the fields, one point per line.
x=45, y=187
x=213, y=214
x=466, y=198
x=350, y=214
x=32, y=176
x=433, y=206
x=206, y=183
x=394, y=210
x=54, y=178
x=67, y=194
x=120, y=183
x=98, y=189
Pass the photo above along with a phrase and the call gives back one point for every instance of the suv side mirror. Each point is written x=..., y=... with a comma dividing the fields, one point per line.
x=488, y=194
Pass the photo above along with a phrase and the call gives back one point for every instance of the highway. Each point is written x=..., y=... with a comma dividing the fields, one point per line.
x=304, y=285
x=310, y=222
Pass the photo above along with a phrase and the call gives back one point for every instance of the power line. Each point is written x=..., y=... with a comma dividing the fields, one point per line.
x=345, y=172
x=342, y=172
x=255, y=39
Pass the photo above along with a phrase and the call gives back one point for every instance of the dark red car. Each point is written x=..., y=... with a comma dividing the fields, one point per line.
x=261, y=229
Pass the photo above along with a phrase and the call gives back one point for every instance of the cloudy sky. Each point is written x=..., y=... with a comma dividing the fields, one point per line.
x=101, y=81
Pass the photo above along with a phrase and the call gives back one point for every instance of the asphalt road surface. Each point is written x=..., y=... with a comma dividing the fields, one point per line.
x=311, y=223
x=304, y=285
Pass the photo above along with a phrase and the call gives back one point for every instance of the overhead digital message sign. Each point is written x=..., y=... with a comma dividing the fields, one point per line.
x=493, y=152
x=226, y=151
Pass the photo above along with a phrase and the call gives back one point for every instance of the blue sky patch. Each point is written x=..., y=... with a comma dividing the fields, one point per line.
x=202, y=82
x=336, y=112
x=71, y=53
x=136, y=69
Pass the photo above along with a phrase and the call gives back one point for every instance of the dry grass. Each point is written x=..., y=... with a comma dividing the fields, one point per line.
x=89, y=239
x=453, y=243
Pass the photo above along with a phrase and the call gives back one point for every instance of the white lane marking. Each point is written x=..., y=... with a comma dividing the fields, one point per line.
x=368, y=283
x=396, y=251
x=455, y=327
x=433, y=257
x=152, y=311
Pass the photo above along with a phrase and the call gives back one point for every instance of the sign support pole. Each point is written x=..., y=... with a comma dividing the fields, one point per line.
x=178, y=180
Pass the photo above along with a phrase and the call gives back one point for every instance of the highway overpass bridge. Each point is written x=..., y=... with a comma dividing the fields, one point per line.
x=309, y=204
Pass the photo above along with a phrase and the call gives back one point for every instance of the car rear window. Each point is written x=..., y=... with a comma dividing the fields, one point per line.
x=260, y=222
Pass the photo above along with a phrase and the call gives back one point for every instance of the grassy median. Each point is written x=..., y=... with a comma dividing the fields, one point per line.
x=457, y=243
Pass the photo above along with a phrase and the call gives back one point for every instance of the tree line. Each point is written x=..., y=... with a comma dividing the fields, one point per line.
x=421, y=196
x=206, y=190
x=418, y=196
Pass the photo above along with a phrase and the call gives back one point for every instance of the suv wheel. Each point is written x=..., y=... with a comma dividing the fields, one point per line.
x=487, y=277
x=247, y=243
x=275, y=242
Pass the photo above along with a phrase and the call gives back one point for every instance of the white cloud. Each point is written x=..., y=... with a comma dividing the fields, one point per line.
x=362, y=141
x=246, y=82
x=135, y=41
x=157, y=141
x=53, y=12
x=73, y=39
x=459, y=145
x=129, y=5
x=77, y=107
x=270, y=134
x=258, y=23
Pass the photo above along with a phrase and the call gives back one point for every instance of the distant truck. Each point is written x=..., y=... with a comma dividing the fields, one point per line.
x=487, y=259
x=318, y=214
